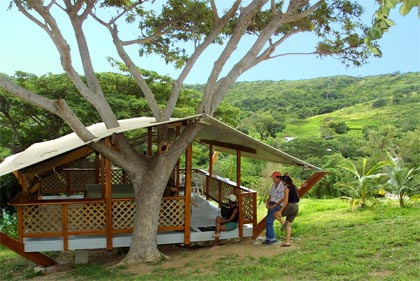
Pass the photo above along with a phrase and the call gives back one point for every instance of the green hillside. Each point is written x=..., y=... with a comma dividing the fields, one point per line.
x=358, y=101
x=356, y=118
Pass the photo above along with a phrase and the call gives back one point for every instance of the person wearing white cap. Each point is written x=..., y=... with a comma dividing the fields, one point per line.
x=229, y=222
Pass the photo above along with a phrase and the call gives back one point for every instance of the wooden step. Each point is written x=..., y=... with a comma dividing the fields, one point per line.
x=17, y=247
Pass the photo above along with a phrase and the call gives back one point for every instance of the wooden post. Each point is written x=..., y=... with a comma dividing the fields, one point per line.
x=241, y=215
x=97, y=167
x=68, y=181
x=149, y=141
x=238, y=184
x=20, y=223
x=238, y=168
x=177, y=166
x=210, y=159
x=219, y=192
x=23, y=181
x=65, y=227
x=188, y=177
x=108, y=201
x=254, y=210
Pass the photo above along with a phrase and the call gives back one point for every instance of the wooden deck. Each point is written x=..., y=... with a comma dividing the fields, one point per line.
x=203, y=217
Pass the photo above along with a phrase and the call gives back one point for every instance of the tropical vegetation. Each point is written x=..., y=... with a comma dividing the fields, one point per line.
x=353, y=129
x=330, y=242
x=178, y=32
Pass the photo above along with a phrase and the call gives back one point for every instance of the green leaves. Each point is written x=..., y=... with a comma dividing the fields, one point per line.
x=363, y=186
x=401, y=180
x=382, y=22
x=407, y=5
x=179, y=22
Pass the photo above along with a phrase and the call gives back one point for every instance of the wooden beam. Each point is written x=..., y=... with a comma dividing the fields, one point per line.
x=18, y=248
x=58, y=161
x=177, y=166
x=310, y=182
x=108, y=201
x=238, y=168
x=22, y=180
x=211, y=159
x=20, y=223
x=188, y=178
x=241, y=215
x=97, y=167
x=229, y=145
x=306, y=186
x=149, y=141
x=65, y=223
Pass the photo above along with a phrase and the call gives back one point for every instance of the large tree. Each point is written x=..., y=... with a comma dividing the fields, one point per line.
x=179, y=31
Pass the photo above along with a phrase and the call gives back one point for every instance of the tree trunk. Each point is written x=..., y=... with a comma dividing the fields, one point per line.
x=148, y=195
x=401, y=198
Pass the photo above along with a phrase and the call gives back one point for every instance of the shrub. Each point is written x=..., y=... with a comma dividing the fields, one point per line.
x=8, y=224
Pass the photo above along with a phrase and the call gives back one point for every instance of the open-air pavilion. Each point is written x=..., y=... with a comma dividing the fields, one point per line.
x=63, y=206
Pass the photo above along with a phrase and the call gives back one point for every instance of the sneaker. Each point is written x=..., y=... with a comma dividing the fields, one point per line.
x=269, y=242
x=283, y=227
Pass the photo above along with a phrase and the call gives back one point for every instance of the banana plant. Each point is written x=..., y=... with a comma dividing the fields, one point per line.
x=361, y=188
x=401, y=180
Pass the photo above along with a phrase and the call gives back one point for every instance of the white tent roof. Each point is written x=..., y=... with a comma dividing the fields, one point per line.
x=214, y=132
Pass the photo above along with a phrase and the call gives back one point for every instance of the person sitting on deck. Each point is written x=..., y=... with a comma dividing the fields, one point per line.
x=229, y=222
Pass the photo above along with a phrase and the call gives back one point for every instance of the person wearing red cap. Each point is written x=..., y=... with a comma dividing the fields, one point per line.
x=273, y=204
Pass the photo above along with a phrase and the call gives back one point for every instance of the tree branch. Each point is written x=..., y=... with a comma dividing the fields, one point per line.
x=214, y=11
x=132, y=68
x=91, y=92
x=57, y=107
x=216, y=30
x=244, y=21
x=250, y=59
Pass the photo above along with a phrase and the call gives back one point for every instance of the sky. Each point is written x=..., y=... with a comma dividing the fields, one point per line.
x=25, y=47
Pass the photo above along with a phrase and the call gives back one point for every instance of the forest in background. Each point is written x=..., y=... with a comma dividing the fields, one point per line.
x=323, y=121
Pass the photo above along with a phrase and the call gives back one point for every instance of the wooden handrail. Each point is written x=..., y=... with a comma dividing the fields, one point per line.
x=306, y=186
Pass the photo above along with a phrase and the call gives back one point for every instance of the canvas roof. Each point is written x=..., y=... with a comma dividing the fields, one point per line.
x=223, y=138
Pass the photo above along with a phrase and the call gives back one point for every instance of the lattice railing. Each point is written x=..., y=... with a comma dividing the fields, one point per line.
x=54, y=183
x=123, y=214
x=218, y=189
x=78, y=178
x=73, y=180
x=212, y=190
x=172, y=212
x=87, y=217
x=248, y=208
x=39, y=219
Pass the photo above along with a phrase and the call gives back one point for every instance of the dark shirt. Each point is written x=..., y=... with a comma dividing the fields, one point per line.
x=230, y=212
x=293, y=196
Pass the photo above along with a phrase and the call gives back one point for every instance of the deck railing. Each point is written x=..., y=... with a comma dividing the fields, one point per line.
x=219, y=189
x=73, y=217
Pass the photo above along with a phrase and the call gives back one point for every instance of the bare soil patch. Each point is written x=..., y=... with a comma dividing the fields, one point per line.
x=184, y=259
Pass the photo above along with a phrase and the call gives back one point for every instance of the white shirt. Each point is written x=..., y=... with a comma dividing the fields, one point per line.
x=276, y=192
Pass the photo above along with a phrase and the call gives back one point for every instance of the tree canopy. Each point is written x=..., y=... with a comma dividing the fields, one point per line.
x=179, y=31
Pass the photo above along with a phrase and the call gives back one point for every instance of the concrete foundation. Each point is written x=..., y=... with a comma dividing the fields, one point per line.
x=81, y=256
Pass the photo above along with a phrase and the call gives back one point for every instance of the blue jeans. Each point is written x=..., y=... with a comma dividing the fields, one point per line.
x=269, y=228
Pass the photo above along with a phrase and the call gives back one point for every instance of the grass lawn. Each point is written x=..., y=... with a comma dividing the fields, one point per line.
x=333, y=243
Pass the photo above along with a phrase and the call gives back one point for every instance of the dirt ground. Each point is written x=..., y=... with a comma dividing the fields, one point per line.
x=178, y=257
